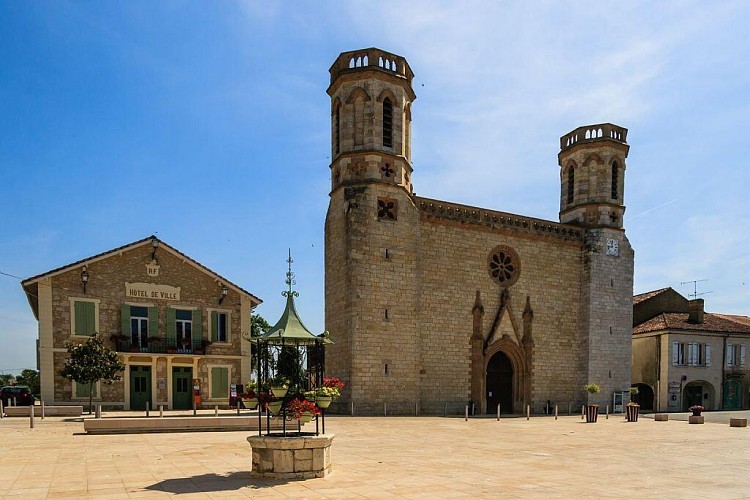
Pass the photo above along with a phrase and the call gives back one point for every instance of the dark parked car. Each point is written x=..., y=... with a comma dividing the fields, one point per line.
x=21, y=393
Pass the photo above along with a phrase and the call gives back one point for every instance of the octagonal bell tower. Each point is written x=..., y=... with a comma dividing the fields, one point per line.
x=372, y=230
x=592, y=175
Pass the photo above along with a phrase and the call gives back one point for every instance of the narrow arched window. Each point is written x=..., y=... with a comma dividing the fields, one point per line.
x=615, y=174
x=387, y=123
x=571, y=184
x=337, y=138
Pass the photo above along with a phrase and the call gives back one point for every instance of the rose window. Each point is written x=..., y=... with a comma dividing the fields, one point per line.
x=503, y=265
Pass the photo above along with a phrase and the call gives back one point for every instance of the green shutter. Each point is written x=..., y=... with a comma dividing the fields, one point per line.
x=125, y=319
x=197, y=324
x=171, y=326
x=80, y=319
x=82, y=390
x=85, y=321
x=215, y=382
x=214, y=326
x=153, y=322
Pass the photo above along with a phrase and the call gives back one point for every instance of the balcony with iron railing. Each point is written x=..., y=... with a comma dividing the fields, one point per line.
x=159, y=345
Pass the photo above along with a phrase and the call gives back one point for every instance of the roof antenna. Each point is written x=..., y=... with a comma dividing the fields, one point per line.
x=695, y=293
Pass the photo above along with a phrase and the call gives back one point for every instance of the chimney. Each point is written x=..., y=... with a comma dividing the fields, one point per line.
x=695, y=308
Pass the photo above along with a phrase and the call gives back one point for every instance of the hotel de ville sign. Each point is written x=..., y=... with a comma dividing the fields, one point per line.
x=152, y=291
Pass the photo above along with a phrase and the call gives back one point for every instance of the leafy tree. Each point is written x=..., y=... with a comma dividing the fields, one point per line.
x=30, y=378
x=258, y=325
x=7, y=379
x=91, y=362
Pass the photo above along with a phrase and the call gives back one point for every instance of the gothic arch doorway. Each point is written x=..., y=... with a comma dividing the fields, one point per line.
x=499, y=383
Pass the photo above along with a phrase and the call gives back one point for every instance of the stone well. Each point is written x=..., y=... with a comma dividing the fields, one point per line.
x=299, y=457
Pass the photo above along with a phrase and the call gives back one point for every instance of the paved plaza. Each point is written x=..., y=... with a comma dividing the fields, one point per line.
x=399, y=457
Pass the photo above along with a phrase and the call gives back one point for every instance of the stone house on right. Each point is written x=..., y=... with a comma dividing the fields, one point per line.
x=684, y=356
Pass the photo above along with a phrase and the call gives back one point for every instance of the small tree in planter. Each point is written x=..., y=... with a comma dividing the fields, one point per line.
x=90, y=363
x=592, y=410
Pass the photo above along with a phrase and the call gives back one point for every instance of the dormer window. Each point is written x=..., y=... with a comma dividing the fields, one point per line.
x=387, y=123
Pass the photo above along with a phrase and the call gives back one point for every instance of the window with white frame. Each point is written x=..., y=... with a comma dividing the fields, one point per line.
x=84, y=317
x=691, y=354
x=219, y=382
x=735, y=355
x=219, y=326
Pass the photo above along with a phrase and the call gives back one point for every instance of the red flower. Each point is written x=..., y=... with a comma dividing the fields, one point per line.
x=333, y=382
x=299, y=406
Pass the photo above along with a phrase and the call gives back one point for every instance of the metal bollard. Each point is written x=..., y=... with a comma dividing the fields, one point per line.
x=466, y=413
x=352, y=408
x=31, y=416
x=98, y=411
x=416, y=409
x=42, y=404
x=2, y=410
x=216, y=410
x=555, y=412
x=583, y=411
x=528, y=412
x=498, y=411
x=570, y=411
x=385, y=409
x=607, y=417
x=15, y=402
x=147, y=408
x=195, y=410
x=445, y=410
x=161, y=411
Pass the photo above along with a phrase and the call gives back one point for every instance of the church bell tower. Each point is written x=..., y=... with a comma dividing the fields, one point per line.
x=372, y=229
x=592, y=178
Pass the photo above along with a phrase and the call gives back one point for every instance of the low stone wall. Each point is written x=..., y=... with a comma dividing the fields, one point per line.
x=49, y=411
x=303, y=457
x=179, y=424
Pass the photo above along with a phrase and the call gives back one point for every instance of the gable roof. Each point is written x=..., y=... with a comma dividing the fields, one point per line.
x=637, y=299
x=30, y=284
x=713, y=323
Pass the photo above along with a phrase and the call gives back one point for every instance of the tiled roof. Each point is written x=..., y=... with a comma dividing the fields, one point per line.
x=129, y=246
x=647, y=295
x=718, y=323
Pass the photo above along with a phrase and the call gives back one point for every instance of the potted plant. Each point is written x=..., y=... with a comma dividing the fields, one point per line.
x=302, y=409
x=696, y=409
x=631, y=411
x=592, y=410
x=279, y=386
x=274, y=406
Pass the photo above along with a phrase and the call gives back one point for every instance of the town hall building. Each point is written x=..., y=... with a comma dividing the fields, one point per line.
x=431, y=301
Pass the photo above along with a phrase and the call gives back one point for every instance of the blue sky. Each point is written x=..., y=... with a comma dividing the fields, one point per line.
x=208, y=124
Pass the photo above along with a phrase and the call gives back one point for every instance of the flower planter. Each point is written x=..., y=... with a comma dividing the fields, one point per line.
x=279, y=392
x=632, y=412
x=592, y=412
x=696, y=413
x=251, y=403
x=274, y=406
x=323, y=401
x=306, y=417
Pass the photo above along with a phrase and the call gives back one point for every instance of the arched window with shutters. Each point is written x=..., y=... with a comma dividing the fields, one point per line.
x=571, y=183
x=615, y=173
x=387, y=123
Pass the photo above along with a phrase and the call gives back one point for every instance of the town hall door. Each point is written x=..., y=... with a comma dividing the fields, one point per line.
x=499, y=383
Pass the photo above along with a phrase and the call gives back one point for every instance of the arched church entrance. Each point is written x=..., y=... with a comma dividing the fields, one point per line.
x=499, y=383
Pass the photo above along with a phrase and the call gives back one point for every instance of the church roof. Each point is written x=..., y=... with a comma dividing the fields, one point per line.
x=712, y=323
x=637, y=299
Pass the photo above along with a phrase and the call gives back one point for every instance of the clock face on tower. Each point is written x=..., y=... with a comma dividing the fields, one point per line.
x=612, y=247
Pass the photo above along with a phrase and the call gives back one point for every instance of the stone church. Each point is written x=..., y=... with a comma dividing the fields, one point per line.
x=431, y=302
